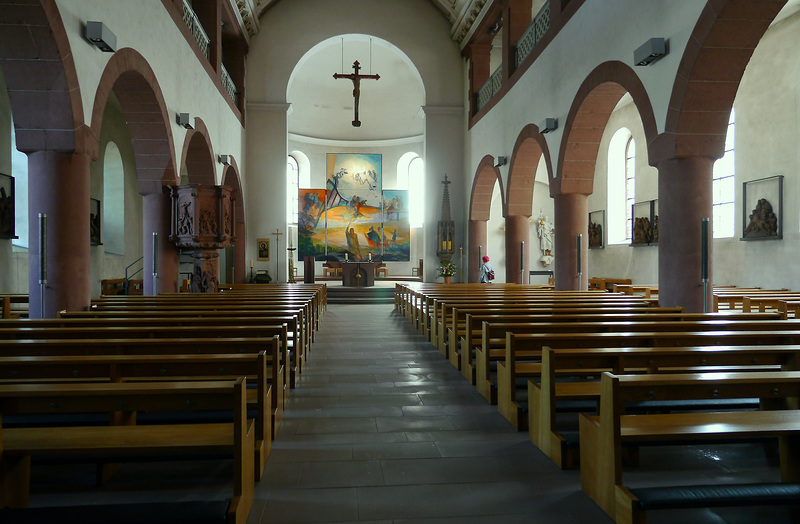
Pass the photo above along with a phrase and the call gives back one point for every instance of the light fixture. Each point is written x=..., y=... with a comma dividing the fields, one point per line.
x=183, y=120
x=224, y=159
x=649, y=52
x=500, y=161
x=100, y=36
x=548, y=124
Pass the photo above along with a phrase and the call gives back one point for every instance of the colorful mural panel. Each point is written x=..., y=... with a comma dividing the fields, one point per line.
x=311, y=223
x=396, y=229
x=354, y=211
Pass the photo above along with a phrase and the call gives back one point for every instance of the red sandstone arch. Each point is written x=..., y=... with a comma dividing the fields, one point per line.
x=711, y=69
x=529, y=148
x=231, y=178
x=198, y=155
x=134, y=83
x=586, y=121
x=42, y=83
x=486, y=176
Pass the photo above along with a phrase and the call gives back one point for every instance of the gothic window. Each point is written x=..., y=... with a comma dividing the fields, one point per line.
x=724, y=188
x=292, y=186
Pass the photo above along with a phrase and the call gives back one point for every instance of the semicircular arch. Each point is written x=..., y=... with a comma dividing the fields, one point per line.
x=528, y=150
x=486, y=176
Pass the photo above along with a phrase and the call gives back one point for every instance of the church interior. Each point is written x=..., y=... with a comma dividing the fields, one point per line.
x=642, y=151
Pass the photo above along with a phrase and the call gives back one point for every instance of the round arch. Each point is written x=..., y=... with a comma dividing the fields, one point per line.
x=702, y=97
x=134, y=83
x=591, y=108
x=528, y=150
x=231, y=178
x=480, y=201
x=42, y=74
x=198, y=155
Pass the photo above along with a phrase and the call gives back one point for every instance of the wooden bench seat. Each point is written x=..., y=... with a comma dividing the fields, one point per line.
x=162, y=346
x=586, y=364
x=297, y=341
x=472, y=332
x=499, y=351
x=603, y=436
x=18, y=445
x=14, y=306
x=158, y=368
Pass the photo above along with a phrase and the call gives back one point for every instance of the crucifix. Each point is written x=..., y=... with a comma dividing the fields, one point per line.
x=277, y=234
x=356, y=78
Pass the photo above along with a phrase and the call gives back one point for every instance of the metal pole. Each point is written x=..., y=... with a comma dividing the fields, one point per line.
x=704, y=260
x=580, y=254
x=42, y=258
x=522, y=262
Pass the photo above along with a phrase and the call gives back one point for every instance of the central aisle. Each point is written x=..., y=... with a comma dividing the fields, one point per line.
x=381, y=428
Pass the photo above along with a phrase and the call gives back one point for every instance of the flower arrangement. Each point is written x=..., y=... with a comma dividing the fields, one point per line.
x=447, y=270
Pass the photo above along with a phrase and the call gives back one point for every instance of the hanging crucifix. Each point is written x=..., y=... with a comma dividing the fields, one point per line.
x=356, y=78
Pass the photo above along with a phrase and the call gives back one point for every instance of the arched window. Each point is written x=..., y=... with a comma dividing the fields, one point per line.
x=292, y=186
x=724, y=187
x=630, y=185
x=411, y=176
x=113, y=201
x=19, y=170
x=621, y=185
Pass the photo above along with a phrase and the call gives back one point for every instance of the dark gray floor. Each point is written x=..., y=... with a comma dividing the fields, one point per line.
x=383, y=429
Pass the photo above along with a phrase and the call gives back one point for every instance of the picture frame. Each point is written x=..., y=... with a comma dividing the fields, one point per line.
x=644, y=226
x=262, y=249
x=7, y=207
x=762, y=209
x=597, y=227
x=95, y=222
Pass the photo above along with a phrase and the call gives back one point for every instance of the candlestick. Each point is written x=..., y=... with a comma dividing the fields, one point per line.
x=251, y=262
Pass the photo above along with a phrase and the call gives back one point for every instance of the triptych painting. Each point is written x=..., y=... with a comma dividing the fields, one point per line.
x=353, y=217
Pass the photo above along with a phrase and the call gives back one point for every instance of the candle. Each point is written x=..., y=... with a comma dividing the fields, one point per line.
x=251, y=262
x=345, y=257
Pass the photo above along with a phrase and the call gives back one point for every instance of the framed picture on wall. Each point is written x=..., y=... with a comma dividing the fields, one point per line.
x=6, y=206
x=95, y=238
x=263, y=249
x=645, y=223
x=597, y=222
x=762, y=209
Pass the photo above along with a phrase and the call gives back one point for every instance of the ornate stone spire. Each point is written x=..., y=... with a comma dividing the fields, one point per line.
x=446, y=230
x=446, y=200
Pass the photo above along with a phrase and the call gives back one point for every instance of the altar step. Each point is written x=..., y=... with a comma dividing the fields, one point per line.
x=360, y=295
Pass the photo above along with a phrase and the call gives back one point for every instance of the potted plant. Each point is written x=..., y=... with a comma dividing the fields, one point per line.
x=447, y=271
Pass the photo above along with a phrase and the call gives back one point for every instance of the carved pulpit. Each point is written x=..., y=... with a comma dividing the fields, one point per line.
x=202, y=221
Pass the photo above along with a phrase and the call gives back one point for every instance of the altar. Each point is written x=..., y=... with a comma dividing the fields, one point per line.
x=358, y=274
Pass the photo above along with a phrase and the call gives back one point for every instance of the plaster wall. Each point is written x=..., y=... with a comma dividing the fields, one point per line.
x=147, y=27
x=290, y=29
x=599, y=32
x=767, y=136
x=640, y=264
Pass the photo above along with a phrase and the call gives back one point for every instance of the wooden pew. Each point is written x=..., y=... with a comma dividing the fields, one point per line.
x=126, y=441
x=157, y=368
x=296, y=343
x=789, y=308
x=523, y=349
x=583, y=367
x=494, y=343
x=603, y=437
x=160, y=346
x=762, y=302
x=470, y=330
x=12, y=306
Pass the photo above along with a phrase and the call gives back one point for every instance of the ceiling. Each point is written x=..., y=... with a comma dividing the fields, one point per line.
x=323, y=107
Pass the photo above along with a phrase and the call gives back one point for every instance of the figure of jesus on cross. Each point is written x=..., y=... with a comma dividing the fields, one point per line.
x=356, y=78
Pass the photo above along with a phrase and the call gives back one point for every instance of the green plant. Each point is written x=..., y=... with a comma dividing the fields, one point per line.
x=447, y=270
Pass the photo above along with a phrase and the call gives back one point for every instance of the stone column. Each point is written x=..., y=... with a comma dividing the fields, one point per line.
x=517, y=231
x=477, y=239
x=59, y=188
x=684, y=198
x=571, y=219
x=157, y=210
